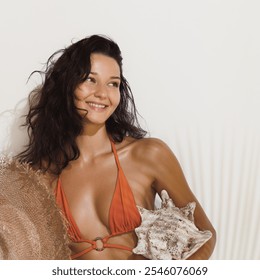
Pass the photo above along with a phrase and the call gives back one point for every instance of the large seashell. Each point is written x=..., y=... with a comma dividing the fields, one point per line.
x=169, y=232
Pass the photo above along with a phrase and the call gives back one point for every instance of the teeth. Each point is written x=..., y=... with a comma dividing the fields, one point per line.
x=96, y=105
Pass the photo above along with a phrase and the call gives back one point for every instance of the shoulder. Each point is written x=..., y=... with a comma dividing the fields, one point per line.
x=145, y=149
x=151, y=146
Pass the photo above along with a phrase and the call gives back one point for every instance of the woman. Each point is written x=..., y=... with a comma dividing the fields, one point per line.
x=84, y=132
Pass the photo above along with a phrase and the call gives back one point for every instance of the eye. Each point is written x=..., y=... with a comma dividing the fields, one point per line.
x=90, y=79
x=114, y=84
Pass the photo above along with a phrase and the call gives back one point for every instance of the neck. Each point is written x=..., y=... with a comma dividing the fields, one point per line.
x=93, y=141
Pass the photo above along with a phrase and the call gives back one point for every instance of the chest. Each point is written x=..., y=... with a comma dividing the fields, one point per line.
x=90, y=189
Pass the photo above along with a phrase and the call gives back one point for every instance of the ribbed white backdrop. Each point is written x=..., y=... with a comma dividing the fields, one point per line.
x=222, y=166
x=194, y=70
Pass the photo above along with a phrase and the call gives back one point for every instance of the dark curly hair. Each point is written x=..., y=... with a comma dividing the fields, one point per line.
x=53, y=121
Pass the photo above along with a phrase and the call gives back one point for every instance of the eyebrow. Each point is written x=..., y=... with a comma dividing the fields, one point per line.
x=112, y=77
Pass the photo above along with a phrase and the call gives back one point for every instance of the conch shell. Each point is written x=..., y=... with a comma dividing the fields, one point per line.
x=169, y=232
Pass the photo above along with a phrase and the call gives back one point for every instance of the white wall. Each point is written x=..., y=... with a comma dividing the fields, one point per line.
x=194, y=70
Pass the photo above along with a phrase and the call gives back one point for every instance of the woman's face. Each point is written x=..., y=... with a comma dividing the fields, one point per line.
x=99, y=94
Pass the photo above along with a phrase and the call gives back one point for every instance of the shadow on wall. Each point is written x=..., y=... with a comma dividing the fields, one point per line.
x=13, y=138
x=221, y=162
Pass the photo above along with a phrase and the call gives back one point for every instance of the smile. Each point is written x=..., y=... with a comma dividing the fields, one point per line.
x=95, y=105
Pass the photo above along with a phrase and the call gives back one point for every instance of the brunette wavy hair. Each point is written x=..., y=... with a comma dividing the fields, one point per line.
x=53, y=122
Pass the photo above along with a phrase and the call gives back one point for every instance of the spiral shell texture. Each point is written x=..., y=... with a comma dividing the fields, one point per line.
x=169, y=232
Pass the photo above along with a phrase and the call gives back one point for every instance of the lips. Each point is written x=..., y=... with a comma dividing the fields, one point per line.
x=97, y=106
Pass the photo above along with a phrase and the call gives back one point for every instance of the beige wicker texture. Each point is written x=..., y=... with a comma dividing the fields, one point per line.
x=31, y=226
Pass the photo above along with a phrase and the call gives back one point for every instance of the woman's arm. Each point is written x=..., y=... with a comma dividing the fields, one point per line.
x=169, y=176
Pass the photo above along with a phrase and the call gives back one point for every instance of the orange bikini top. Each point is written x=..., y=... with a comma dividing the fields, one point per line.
x=123, y=214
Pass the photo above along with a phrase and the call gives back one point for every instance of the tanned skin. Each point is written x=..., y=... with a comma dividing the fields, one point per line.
x=148, y=164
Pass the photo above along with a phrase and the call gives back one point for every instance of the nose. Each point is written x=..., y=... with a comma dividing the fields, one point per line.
x=101, y=91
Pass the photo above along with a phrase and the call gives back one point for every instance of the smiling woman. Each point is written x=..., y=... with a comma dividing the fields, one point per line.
x=99, y=94
x=85, y=136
